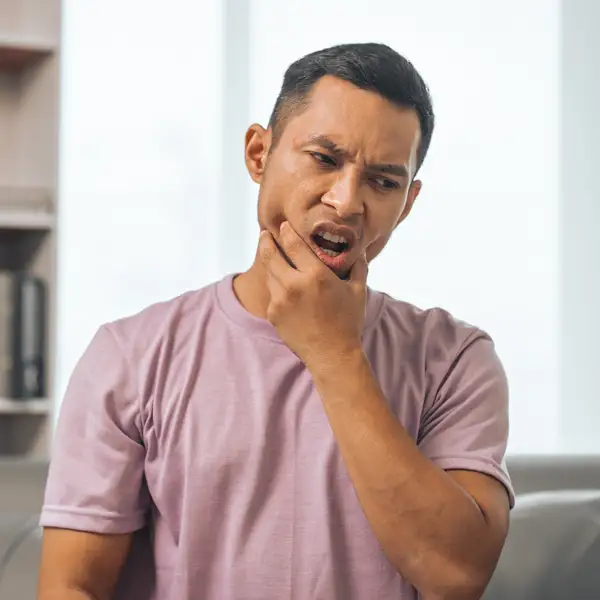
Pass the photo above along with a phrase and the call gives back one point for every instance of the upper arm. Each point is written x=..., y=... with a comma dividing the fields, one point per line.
x=82, y=561
x=465, y=433
x=465, y=429
x=95, y=494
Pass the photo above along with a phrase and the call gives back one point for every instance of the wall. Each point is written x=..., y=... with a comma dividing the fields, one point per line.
x=141, y=157
x=483, y=240
x=580, y=220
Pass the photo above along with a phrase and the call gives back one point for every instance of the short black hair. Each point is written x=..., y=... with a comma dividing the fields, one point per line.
x=369, y=66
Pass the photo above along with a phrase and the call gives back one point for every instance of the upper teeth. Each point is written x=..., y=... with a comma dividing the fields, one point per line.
x=338, y=239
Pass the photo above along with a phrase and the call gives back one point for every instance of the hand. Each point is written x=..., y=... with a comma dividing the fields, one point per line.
x=319, y=316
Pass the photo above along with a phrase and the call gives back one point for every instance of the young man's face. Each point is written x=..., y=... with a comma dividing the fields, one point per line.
x=340, y=172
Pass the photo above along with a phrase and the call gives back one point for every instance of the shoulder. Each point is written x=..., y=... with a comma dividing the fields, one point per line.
x=119, y=371
x=169, y=321
x=444, y=357
x=436, y=332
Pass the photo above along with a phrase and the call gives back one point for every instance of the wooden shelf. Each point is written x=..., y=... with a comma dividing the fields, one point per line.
x=27, y=221
x=29, y=209
x=36, y=406
x=28, y=198
x=17, y=463
x=18, y=55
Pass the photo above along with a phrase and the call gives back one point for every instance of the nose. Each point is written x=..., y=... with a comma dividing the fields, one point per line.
x=344, y=195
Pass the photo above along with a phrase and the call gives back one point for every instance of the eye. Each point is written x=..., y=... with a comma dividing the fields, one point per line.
x=385, y=184
x=323, y=159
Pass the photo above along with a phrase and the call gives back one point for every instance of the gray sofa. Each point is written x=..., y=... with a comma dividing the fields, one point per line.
x=21, y=492
x=552, y=551
x=553, y=547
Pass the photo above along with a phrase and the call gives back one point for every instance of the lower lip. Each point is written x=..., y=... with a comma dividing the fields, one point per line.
x=335, y=263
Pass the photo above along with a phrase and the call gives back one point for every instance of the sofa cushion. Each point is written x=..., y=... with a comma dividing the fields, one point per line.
x=20, y=549
x=553, y=548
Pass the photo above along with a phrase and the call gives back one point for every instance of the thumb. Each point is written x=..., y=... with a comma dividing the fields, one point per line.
x=359, y=271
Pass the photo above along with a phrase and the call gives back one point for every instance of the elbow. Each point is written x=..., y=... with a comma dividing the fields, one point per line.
x=456, y=593
x=458, y=582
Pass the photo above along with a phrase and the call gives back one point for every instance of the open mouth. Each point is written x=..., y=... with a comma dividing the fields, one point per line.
x=331, y=244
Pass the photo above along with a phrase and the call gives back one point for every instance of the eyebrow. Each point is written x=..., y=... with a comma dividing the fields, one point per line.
x=398, y=170
x=327, y=144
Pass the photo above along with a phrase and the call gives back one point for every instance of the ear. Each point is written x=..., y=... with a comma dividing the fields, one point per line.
x=257, y=145
x=413, y=192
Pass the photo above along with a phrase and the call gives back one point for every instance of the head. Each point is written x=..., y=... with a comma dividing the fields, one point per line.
x=339, y=157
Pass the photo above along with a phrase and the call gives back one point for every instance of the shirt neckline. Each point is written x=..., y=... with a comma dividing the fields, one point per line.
x=232, y=308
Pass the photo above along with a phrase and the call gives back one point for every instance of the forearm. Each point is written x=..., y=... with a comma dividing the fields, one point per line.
x=66, y=594
x=430, y=528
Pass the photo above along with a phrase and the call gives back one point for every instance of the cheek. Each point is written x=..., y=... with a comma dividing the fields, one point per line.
x=270, y=214
x=284, y=195
x=275, y=205
x=382, y=225
x=377, y=246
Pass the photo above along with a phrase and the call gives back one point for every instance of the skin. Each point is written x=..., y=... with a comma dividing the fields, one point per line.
x=443, y=531
x=77, y=565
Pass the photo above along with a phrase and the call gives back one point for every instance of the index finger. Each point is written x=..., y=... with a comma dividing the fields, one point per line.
x=359, y=271
x=272, y=258
x=296, y=249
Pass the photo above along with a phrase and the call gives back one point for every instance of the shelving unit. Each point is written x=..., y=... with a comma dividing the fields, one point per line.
x=27, y=209
x=17, y=55
x=29, y=108
x=36, y=406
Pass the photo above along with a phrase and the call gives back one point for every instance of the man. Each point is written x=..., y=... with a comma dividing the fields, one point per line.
x=290, y=433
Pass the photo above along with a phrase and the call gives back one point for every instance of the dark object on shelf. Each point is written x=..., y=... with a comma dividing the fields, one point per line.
x=5, y=331
x=28, y=328
x=16, y=57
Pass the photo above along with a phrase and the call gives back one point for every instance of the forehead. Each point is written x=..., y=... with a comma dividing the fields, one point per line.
x=360, y=121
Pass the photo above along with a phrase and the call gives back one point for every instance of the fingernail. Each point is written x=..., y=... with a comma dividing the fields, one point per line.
x=282, y=226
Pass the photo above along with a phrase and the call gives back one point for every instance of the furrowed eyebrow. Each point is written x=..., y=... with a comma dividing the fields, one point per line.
x=398, y=170
x=327, y=144
x=387, y=168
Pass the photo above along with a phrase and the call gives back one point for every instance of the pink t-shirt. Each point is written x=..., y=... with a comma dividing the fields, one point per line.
x=192, y=417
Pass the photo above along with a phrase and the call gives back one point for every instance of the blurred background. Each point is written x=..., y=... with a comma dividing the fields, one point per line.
x=122, y=180
x=122, y=183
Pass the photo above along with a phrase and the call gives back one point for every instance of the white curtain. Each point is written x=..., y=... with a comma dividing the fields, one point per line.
x=140, y=173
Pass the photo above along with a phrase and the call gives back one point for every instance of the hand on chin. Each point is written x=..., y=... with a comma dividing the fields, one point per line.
x=318, y=316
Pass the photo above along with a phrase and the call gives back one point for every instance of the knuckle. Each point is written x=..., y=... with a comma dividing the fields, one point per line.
x=275, y=308
x=267, y=253
x=293, y=247
x=273, y=316
x=320, y=279
x=293, y=292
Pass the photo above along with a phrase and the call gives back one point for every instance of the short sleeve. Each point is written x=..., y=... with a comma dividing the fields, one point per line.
x=466, y=428
x=96, y=477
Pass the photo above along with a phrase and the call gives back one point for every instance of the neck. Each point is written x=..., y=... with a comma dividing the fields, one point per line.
x=252, y=291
